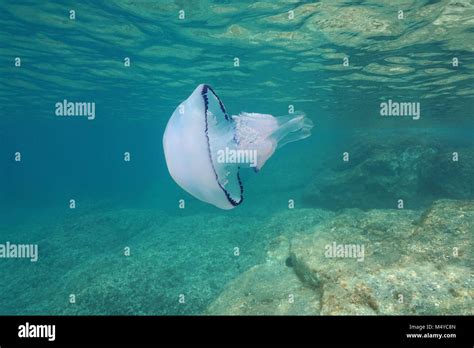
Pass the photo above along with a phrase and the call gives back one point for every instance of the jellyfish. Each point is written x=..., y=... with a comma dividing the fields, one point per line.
x=206, y=149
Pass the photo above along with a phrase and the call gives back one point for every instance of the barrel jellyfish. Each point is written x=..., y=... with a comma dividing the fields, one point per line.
x=205, y=148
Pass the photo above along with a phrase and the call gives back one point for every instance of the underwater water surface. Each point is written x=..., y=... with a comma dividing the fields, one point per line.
x=371, y=214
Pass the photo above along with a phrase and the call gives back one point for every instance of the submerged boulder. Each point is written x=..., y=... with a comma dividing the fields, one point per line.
x=381, y=169
x=271, y=288
x=386, y=262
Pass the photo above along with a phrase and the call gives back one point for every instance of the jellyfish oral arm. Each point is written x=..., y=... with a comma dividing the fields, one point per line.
x=263, y=133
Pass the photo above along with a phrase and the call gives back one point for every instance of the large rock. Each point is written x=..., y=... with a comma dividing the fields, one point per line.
x=271, y=288
x=412, y=263
x=382, y=169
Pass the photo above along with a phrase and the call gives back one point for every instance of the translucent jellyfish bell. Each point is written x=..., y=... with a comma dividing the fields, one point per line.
x=205, y=148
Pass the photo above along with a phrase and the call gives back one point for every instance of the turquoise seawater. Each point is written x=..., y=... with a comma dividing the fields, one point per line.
x=128, y=247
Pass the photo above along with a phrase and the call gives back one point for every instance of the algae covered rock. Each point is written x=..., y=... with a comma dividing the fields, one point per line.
x=422, y=268
x=256, y=293
x=271, y=288
x=444, y=234
x=386, y=262
x=381, y=169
